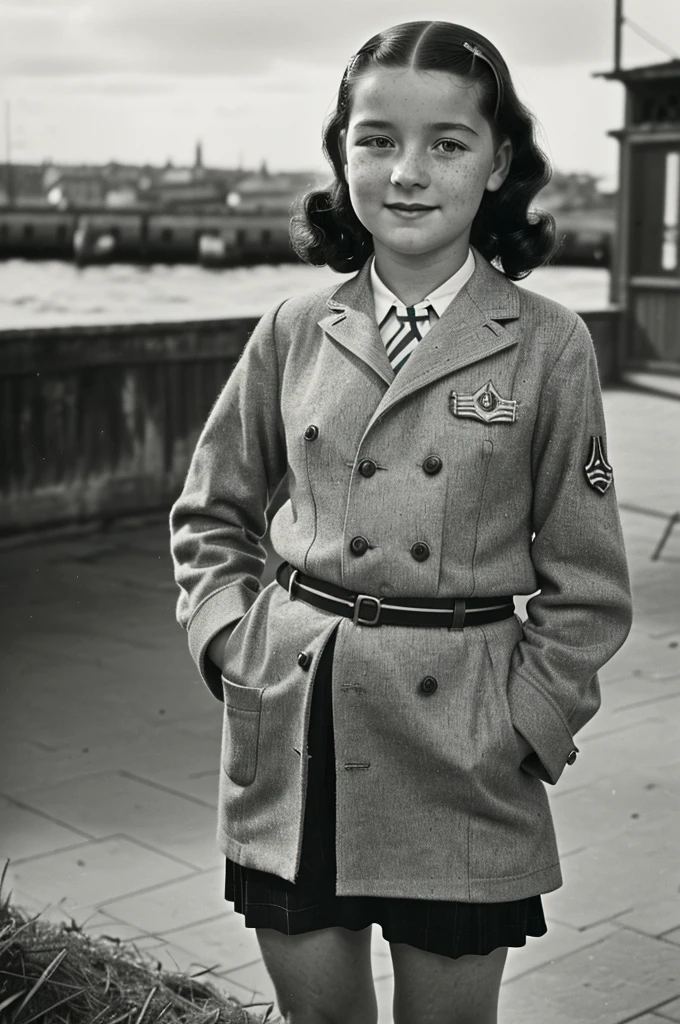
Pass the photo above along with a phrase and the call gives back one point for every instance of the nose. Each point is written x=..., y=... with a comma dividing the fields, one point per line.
x=410, y=170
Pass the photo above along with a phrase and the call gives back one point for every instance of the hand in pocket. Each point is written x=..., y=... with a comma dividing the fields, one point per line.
x=523, y=745
x=217, y=645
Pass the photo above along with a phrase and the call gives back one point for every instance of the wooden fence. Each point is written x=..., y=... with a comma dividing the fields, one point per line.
x=100, y=422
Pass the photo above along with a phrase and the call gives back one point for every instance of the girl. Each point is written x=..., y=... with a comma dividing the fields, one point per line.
x=389, y=722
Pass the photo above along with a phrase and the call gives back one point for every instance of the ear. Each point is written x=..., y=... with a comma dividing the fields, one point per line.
x=342, y=146
x=501, y=166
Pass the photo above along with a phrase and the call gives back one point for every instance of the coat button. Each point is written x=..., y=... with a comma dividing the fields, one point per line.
x=358, y=545
x=304, y=660
x=367, y=467
x=420, y=551
x=429, y=684
x=312, y=432
x=432, y=464
x=572, y=757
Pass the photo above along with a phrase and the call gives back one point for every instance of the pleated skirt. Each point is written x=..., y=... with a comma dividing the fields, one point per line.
x=450, y=928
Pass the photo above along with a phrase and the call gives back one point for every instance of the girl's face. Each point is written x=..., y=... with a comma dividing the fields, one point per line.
x=417, y=139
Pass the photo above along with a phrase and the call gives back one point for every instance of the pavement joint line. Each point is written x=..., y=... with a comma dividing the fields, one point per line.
x=103, y=904
x=48, y=817
x=194, y=868
x=202, y=920
x=614, y=732
x=251, y=963
x=555, y=959
x=647, y=935
x=165, y=789
x=600, y=921
x=644, y=703
x=572, y=853
x=44, y=748
x=650, y=1009
x=206, y=970
x=92, y=840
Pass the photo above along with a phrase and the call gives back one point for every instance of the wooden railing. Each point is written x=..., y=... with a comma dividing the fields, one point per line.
x=101, y=422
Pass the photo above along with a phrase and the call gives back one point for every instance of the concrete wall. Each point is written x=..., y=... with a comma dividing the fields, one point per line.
x=100, y=422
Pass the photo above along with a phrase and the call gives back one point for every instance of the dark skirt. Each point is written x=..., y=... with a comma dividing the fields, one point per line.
x=437, y=926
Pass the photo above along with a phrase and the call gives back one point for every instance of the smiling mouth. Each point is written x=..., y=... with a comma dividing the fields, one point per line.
x=408, y=207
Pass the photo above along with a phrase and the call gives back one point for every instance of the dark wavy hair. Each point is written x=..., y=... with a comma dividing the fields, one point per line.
x=324, y=228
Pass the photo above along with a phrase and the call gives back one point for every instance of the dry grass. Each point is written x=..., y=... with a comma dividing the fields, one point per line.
x=57, y=974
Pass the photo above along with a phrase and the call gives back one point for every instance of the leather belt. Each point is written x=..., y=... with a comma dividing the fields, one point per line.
x=367, y=610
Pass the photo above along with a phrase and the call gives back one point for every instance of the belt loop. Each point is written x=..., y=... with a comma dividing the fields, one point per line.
x=458, y=619
x=291, y=582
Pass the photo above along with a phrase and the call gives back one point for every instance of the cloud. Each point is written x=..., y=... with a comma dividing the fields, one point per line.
x=233, y=37
x=189, y=37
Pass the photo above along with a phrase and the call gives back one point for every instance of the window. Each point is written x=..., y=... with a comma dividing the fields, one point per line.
x=656, y=102
x=669, y=238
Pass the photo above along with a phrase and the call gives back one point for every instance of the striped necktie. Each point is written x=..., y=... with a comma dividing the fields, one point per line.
x=403, y=327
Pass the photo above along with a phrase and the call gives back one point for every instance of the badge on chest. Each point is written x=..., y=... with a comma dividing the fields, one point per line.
x=486, y=404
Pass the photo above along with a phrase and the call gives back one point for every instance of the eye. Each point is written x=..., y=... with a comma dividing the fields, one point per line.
x=376, y=142
x=452, y=146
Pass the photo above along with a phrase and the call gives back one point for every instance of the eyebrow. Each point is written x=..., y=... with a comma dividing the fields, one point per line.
x=437, y=126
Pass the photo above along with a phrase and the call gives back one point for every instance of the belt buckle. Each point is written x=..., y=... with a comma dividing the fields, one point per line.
x=357, y=619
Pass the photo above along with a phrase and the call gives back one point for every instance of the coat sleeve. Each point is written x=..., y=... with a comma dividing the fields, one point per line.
x=583, y=612
x=218, y=521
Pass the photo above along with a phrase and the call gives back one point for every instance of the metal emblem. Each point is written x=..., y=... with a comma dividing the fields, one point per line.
x=598, y=471
x=486, y=405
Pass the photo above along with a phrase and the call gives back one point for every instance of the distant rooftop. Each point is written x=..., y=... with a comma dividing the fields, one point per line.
x=671, y=69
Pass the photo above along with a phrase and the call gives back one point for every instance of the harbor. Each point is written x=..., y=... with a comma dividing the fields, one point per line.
x=57, y=293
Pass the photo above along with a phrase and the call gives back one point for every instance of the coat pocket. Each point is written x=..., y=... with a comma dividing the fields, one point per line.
x=499, y=656
x=241, y=735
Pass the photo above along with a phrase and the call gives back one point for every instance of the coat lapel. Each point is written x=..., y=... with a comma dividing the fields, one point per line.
x=470, y=329
x=352, y=323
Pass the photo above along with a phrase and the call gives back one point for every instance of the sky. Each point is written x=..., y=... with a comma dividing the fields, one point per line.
x=143, y=80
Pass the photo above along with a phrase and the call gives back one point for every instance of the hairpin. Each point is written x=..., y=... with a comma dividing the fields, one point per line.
x=499, y=87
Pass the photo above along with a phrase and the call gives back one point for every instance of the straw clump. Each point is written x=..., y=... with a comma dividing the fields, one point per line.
x=57, y=974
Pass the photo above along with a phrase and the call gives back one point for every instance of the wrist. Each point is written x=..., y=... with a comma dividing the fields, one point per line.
x=217, y=645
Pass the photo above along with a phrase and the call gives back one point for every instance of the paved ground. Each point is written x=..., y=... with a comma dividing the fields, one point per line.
x=109, y=749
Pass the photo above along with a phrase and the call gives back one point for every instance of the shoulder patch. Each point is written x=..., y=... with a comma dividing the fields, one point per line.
x=598, y=471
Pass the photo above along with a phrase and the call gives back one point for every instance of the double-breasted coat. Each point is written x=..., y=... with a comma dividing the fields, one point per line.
x=432, y=801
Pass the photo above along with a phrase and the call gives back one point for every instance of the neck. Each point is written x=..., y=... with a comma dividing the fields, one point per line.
x=412, y=277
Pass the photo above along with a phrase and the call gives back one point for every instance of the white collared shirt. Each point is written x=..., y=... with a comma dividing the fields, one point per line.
x=439, y=298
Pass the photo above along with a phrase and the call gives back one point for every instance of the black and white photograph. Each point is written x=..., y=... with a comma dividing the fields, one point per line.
x=339, y=512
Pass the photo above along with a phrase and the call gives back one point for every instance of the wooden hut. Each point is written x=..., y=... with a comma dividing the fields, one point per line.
x=645, y=280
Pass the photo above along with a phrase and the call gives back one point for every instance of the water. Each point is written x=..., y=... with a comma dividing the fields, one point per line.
x=54, y=293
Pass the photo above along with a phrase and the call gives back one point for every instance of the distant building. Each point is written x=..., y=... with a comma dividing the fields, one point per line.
x=22, y=183
x=265, y=192
x=122, y=196
x=171, y=187
x=576, y=191
x=75, y=186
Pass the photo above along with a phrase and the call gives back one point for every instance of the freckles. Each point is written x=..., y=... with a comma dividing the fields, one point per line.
x=466, y=183
x=364, y=175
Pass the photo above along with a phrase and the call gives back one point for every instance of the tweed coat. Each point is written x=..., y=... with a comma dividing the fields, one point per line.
x=432, y=801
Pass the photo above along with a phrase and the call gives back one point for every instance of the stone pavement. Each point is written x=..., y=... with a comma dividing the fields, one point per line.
x=109, y=748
